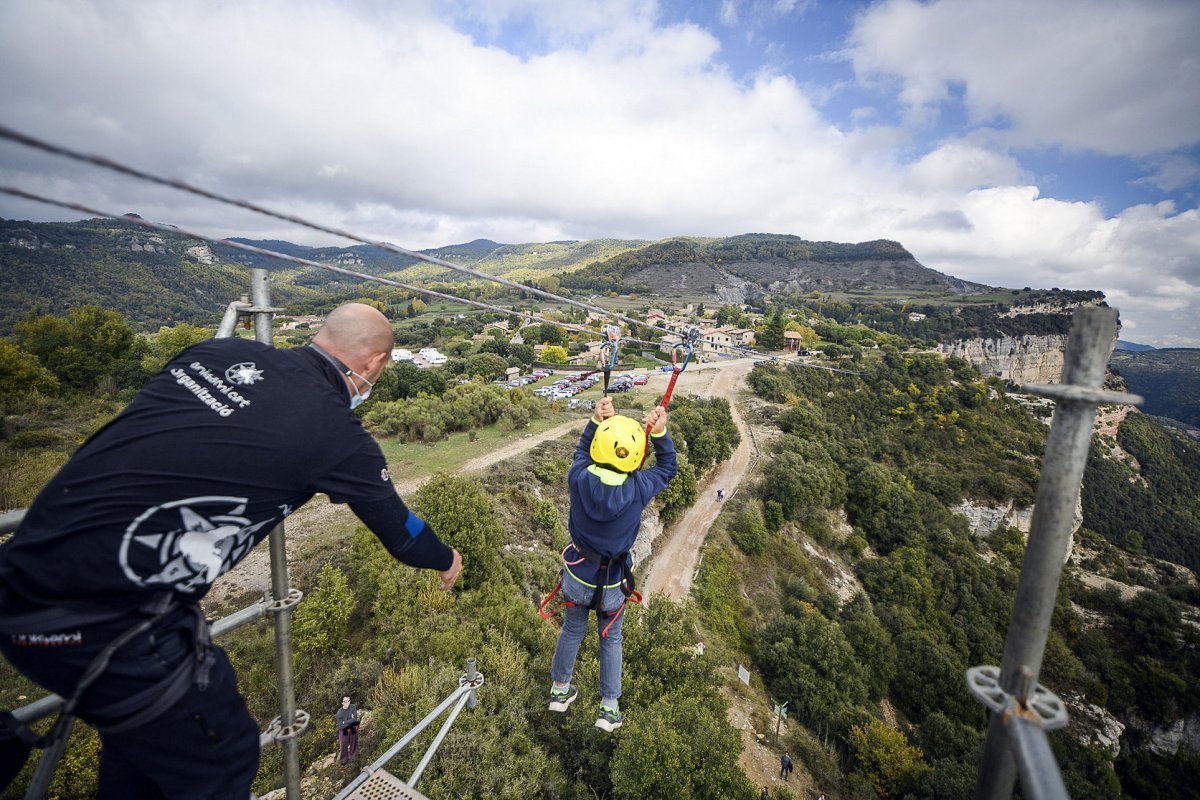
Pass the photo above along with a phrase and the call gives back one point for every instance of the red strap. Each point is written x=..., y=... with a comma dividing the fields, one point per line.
x=542, y=608
x=633, y=597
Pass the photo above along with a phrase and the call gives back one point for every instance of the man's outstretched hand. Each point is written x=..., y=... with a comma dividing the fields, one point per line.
x=449, y=576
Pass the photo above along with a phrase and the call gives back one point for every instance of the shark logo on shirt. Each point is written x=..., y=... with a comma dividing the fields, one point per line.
x=187, y=544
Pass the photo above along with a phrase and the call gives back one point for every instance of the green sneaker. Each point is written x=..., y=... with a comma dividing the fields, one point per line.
x=610, y=719
x=560, y=699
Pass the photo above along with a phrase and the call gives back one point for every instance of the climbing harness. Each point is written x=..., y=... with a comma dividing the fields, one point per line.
x=688, y=345
x=549, y=607
x=17, y=739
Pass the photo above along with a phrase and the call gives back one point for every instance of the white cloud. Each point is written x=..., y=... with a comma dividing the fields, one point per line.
x=1104, y=75
x=386, y=120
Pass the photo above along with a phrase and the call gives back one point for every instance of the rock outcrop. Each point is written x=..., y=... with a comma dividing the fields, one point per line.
x=648, y=533
x=1020, y=359
x=1094, y=726
x=985, y=520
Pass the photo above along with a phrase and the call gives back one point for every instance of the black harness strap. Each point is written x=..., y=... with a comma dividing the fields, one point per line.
x=127, y=714
x=628, y=584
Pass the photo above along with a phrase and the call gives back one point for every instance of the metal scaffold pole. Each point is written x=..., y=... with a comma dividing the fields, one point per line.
x=287, y=723
x=1017, y=724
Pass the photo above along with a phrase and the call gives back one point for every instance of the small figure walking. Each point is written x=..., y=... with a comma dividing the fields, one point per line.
x=720, y=494
x=347, y=727
x=765, y=794
x=785, y=766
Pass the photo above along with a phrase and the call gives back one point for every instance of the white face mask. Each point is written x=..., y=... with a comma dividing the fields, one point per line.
x=357, y=399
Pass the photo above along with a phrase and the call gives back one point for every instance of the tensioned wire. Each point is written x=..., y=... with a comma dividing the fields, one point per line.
x=110, y=164
x=173, y=229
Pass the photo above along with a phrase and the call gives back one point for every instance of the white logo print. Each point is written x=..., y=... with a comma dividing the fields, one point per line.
x=244, y=374
x=186, y=544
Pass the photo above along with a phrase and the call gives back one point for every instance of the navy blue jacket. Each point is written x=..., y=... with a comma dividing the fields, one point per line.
x=606, y=505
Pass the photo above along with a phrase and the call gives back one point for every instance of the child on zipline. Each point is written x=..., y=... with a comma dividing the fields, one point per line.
x=608, y=494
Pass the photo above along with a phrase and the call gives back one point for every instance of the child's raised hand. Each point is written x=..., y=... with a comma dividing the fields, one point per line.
x=604, y=409
x=656, y=420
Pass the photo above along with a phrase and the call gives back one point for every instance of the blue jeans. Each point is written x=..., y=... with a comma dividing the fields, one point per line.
x=575, y=621
x=204, y=746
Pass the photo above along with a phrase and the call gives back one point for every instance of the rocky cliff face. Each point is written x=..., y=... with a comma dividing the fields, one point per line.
x=984, y=520
x=650, y=530
x=1020, y=359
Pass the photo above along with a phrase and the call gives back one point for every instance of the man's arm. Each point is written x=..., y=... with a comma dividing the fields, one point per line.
x=409, y=538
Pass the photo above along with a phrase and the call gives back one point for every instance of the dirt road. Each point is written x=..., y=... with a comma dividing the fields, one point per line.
x=674, y=566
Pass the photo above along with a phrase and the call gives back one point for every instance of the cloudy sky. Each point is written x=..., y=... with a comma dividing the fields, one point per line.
x=1020, y=143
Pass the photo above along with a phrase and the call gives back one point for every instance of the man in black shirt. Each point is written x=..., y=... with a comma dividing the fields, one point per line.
x=223, y=444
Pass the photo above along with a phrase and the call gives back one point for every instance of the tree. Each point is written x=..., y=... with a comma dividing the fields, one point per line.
x=749, y=532
x=554, y=355
x=81, y=348
x=680, y=493
x=320, y=621
x=521, y=355
x=885, y=758
x=487, y=365
x=772, y=337
x=21, y=373
x=170, y=342
x=681, y=747
x=463, y=514
x=545, y=333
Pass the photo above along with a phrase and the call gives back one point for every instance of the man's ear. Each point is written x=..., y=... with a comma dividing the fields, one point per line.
x=377, y=362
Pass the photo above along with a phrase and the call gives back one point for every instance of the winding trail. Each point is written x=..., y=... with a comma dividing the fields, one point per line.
x=674, y=566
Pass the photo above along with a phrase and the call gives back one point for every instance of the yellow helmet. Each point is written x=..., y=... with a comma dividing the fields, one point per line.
x=620, y=443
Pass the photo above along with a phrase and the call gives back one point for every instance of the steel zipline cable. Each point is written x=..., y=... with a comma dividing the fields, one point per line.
x=125, y=169
x=248, y=248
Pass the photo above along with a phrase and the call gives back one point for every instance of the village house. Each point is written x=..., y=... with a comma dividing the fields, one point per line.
x=292, y=323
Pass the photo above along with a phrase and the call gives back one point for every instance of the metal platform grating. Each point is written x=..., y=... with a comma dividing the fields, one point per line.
x=382, y=785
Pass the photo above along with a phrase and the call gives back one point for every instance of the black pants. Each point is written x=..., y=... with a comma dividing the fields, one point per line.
x=204, y=747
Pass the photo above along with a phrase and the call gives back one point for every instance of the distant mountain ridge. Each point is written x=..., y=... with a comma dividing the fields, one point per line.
x=156, y=277
x=744, y=268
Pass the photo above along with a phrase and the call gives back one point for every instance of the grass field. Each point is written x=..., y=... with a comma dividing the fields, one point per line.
x=408, y=460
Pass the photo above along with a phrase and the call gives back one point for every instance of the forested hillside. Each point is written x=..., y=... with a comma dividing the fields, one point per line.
x=47, y=268
x=1168, y=378
x=925, y=601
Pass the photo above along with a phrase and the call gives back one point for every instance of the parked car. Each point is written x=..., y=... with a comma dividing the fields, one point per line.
x=667, y=368
x=640, y=380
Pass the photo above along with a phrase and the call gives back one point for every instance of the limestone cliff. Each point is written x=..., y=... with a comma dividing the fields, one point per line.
x=1020, y=359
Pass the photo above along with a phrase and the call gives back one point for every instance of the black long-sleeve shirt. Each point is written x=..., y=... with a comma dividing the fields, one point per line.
x=227, y=441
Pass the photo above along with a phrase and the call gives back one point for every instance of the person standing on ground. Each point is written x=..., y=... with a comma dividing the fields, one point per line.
x=608, y=495
x=114, y=555
x=785, y=766
x=347, y=728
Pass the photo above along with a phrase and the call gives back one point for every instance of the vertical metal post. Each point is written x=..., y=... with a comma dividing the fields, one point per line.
x=1092, y=332
x=285, y=677
x=471, y=675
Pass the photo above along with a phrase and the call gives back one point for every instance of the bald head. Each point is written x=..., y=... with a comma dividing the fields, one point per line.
x=356, y=333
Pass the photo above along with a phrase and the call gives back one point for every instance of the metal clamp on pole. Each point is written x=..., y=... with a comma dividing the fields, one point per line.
x=1026, y=717
x=281, y=733
x=294, y=596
